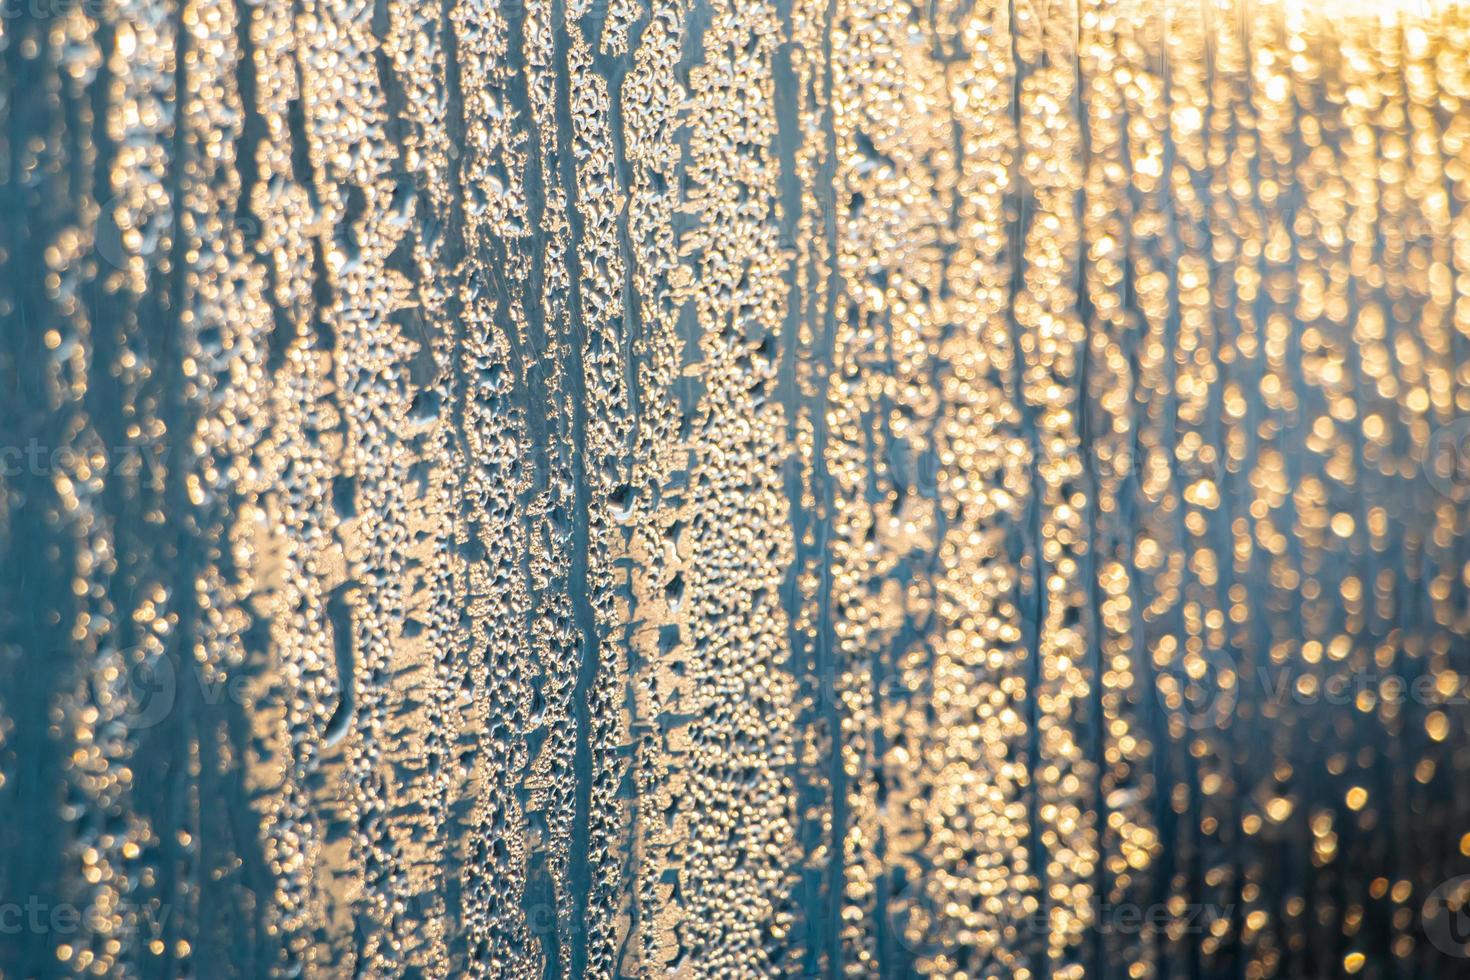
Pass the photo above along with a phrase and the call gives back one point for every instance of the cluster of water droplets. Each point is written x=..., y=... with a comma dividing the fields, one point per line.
x=845, y=488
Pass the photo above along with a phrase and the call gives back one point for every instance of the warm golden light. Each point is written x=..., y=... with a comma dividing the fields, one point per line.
x=831, y=488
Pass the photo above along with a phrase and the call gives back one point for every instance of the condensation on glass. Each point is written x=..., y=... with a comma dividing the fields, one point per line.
x=650, y=488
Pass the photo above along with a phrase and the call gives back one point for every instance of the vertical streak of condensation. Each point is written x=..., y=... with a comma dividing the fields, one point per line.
x=294, y=523
x=814, y=287
x=849, y=407
x=1337, y=478
x=736, y=870
x=552, y=779
x=1431, y=174
x=652, y=97
x=1229, y=148
x=1327, y=299
x=1438, y=86
x=1319, y=286
x=1453, y=78
x=1319, y=322
x=1129, y=835
x=977, y=831
x=1052, y=338
x=913, y=145
x=112, y=847
x=1425, y=185
x=599, y=206
x=1197, y=410
x=492, y=876
x=903, y=173
x=300, y=634
x=1288, y=490
x=491, y=296
x=213, y=411
x=103, y=847
x=1158, y=554
x=1185, y=382
x=424, y=197
x=350, y=158
x=872, y=224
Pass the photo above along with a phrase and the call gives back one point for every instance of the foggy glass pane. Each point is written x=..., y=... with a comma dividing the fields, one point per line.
x=695, y=488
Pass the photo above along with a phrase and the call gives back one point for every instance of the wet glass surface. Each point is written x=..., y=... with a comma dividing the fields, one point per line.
x=710, y=489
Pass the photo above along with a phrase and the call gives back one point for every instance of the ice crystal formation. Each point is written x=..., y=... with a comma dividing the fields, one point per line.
x=725, y=488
